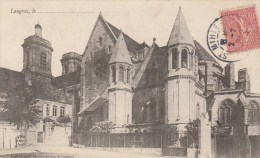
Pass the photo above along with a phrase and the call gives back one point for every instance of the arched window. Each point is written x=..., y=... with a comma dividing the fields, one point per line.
x=100, y=41
x=128, y=75
x=174, y=59
x=113, y=74
x=253, y=113
x=121, y=74
x=184, y=58
x=43, y=60
x=225, y=112
x=198, y=111
x=191, y=61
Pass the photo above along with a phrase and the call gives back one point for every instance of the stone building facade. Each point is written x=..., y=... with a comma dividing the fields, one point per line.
x=136, y=85
x=53, y=95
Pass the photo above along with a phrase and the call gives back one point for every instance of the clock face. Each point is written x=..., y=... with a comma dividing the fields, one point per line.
x=100, y=67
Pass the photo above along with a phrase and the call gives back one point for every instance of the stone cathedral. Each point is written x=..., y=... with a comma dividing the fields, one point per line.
x=136, y=86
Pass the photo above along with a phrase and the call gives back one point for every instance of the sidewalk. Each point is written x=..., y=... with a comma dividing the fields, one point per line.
x=76, y=152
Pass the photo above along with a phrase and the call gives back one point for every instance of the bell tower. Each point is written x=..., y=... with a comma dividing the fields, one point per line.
x=180, y=85
x=37, y=54
x=120, y=84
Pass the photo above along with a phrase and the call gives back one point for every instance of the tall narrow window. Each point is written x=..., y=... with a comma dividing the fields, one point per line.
x=128, y=75
x=253, y=113
x=100, y=41
x=114, y=74
x=198, y=111
x=225, y=112
x=191, y=61
x=221, y=116
x=62, y=111
x=47, y=110
x=121, y=74
x=54, y=110
x=43, y=60
x=175, y=58
x=109, y=49
x=27, y=59
x=184, y=58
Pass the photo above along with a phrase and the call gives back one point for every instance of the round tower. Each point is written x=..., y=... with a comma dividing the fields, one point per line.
x=180, y=85
x=120, y=88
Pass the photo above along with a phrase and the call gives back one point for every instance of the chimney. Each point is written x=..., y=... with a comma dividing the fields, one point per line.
x=230, y=75
x=243, y=79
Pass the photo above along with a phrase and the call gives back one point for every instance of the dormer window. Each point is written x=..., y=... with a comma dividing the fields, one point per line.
x=43, y=60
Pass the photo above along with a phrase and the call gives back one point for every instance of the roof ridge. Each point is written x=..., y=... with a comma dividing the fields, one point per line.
x=204, y=51
x=122, y=32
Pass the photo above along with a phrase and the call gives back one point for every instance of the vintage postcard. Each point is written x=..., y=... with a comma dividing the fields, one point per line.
x=125, y=79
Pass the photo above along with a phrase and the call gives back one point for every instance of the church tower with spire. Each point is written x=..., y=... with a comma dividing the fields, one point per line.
x=120, y=84
x=180, y=85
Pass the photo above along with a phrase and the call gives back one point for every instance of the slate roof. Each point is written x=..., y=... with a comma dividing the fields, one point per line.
x=11, y=81
x=70, y=79
x=43, y=89
x=142, y=46
x=203, y=54
x=131, y=44
x=120, y=52
x=180, y=32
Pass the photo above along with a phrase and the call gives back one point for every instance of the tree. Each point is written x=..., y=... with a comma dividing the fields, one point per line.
x=102, y=127
x=20, y=107
x=193, y=132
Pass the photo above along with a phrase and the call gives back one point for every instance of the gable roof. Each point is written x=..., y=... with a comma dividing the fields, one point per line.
x=180, y=32
x=139, y=73
x=203, y=54
x=131, y=44
x=120, y=52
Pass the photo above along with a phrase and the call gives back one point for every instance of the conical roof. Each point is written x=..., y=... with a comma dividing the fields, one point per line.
x=120, y=52
x=180, y=32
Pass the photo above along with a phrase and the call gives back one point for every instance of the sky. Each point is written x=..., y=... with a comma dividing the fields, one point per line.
x=68, y=25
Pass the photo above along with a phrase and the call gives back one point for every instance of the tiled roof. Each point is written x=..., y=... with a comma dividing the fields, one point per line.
x=70, y=79
x=203, y=54
x=132, y=45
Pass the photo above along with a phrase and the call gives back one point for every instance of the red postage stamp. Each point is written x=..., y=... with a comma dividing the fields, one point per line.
x=241, y=29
